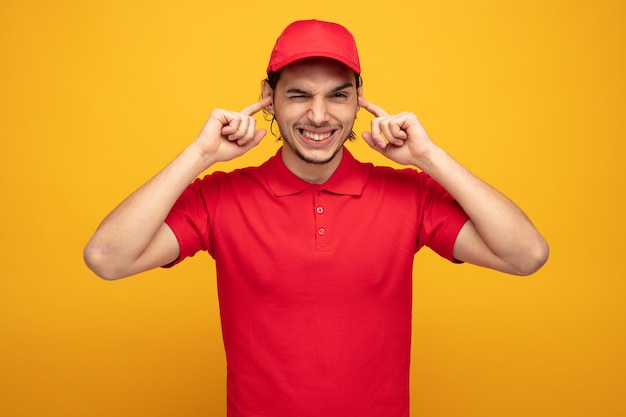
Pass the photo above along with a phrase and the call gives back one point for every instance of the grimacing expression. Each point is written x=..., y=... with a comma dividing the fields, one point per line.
x=315, y=103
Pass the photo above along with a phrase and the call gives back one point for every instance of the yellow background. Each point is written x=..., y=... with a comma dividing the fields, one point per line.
x=96, y=96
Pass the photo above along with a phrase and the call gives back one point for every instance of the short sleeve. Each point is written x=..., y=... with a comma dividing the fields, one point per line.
x=442, y=218
x=189, y=218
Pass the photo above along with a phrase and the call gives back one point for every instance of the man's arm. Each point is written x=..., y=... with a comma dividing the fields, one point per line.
x=134, y=236
x=498, y=235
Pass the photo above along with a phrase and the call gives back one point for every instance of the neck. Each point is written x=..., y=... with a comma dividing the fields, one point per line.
x=314, y=173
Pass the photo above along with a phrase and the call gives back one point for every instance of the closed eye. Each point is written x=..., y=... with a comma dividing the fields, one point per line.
x=297, y=93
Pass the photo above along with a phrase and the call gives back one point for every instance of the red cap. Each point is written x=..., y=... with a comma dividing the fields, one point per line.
x=314, y=38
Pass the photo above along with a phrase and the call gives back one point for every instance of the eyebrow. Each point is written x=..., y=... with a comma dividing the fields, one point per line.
x=334, y=90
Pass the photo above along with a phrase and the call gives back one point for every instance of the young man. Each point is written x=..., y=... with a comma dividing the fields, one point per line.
x=314, y=250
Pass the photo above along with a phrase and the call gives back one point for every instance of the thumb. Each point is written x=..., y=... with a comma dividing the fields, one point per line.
x=258, y=135
x=369, y=139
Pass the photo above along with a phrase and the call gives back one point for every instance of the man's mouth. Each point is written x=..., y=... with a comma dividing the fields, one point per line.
x=316, y=136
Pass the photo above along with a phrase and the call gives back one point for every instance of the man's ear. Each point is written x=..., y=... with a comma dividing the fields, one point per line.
x=359, y=94
x=267, y=91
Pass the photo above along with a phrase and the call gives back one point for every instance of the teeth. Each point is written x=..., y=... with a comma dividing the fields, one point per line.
x=315, y=136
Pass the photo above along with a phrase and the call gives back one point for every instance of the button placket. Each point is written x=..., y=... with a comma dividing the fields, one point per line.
x=321, y=232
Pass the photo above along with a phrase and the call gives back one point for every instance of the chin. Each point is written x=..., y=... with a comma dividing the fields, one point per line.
x=317, y=158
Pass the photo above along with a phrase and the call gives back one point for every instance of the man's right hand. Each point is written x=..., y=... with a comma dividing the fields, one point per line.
x=134, y=236
x=229, y=134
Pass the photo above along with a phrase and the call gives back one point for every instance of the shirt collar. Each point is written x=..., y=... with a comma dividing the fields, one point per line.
x=348, y=179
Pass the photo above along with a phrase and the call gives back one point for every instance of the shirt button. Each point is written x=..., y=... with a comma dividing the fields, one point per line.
x=321, y=231
x=319, y=210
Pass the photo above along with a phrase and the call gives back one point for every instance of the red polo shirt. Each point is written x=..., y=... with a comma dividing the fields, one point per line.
x=314, y=282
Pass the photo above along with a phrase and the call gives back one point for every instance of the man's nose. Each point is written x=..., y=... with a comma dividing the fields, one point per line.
x=318, y=112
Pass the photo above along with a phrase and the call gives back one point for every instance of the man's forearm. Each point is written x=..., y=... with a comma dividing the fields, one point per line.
x=128, y=231
x=502, y=225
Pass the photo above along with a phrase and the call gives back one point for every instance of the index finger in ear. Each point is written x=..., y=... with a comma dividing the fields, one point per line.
x=258, y=106
x=372, y=108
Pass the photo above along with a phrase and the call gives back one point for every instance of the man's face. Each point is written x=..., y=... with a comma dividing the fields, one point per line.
x=315, y=104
